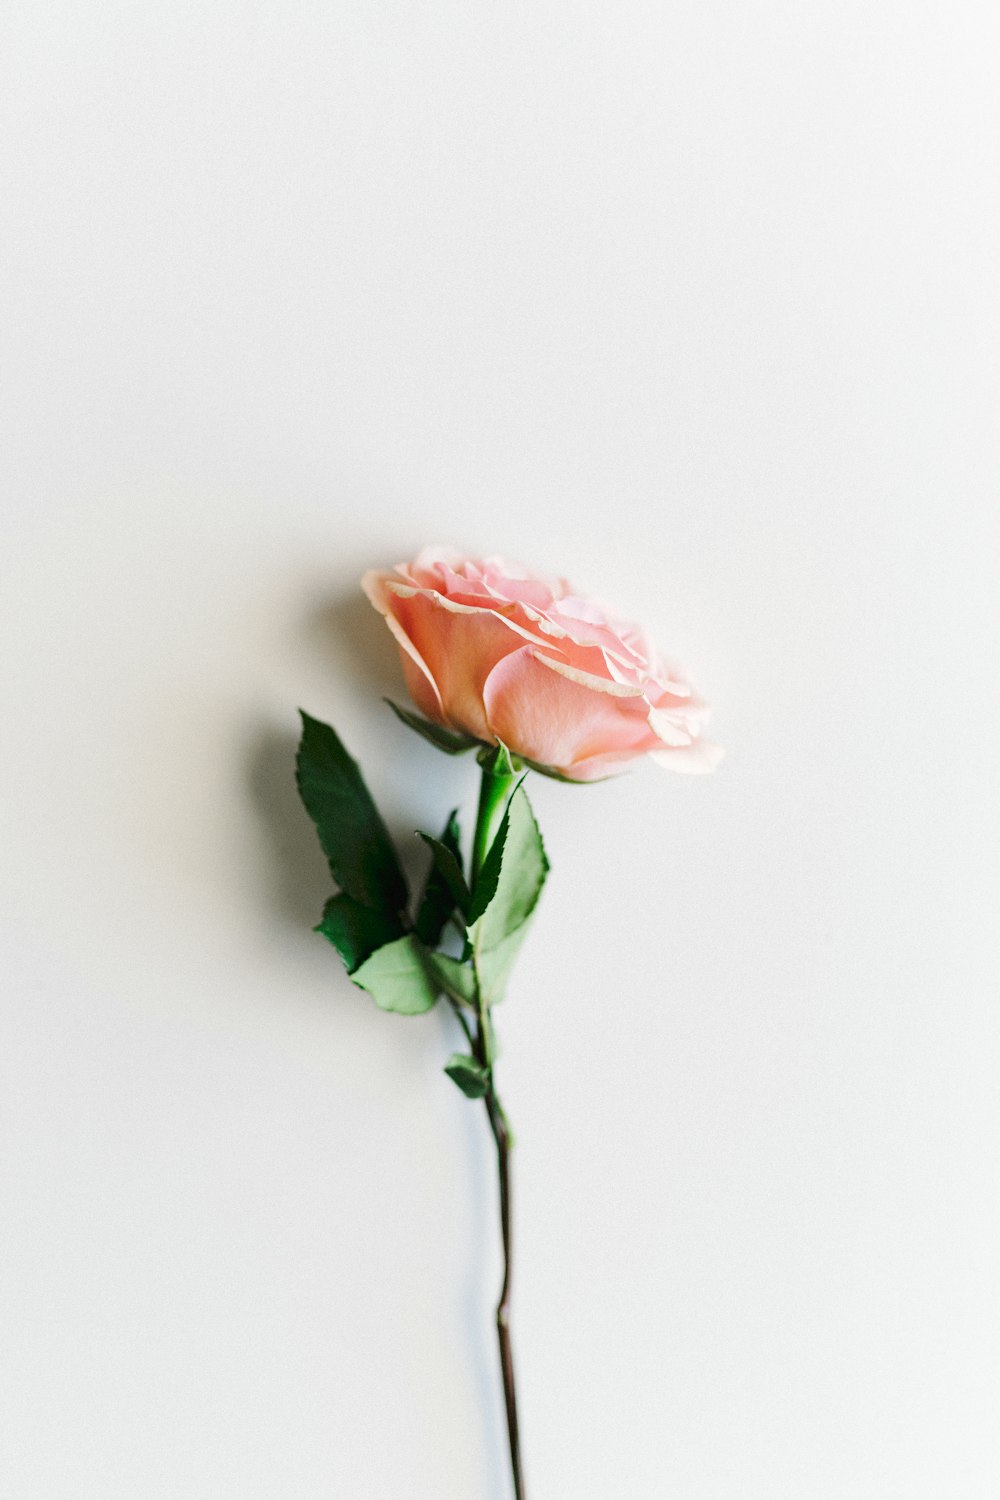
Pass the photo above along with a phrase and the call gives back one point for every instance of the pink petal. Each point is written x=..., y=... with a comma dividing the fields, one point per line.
x=694, y=760
x=544, y=714
x=420, y=682
x=460, y=646
x=599, y=767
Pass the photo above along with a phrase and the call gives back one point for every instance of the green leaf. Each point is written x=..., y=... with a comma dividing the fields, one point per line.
x=354, y=838
x=489, y=875
x=470, y=1075
x=450, y=870
x=397, y=977
x=498, y=921
x=439, y=899
x=451, y=741
x=355, y=930
x=495, y=964
x=453, y=976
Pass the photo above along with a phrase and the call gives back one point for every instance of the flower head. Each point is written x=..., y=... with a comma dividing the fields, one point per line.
x=502, y=655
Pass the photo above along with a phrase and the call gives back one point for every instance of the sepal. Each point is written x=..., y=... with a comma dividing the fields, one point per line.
x=451, y=741
x=496, y=760
x=554, y=775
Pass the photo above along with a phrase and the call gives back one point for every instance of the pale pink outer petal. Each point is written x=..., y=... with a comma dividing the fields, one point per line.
x=460, y=645
x=420, y=682
x=573, y=634
x=424, y=693
x=600, y=767
x=597, y=632
x=694, y=760
x=595, y=682
x=465, y=590
x=542, y=711
x=427, y=562
x=677, y=722
x=514, y=616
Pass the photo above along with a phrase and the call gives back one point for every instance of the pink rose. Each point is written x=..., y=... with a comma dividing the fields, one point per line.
x=498, y=654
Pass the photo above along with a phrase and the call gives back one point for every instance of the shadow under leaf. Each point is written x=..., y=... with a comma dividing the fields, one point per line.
x=299, y=879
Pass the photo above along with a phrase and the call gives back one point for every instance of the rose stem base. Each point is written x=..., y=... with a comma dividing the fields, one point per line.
x=501, y=1135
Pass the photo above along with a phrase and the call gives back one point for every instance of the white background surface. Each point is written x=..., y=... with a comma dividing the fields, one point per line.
x=696, y=303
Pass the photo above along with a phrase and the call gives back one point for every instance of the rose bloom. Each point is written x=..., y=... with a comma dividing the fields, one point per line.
x=502, y=655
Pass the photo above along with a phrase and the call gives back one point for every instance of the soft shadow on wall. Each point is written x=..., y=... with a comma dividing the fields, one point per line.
x=350, y=640
x=355, y=648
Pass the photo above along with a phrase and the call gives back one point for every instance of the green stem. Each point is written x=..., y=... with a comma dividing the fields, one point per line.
x=459, y=1017
x=501, y=1136
x=494, y=790
x=493, y=794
